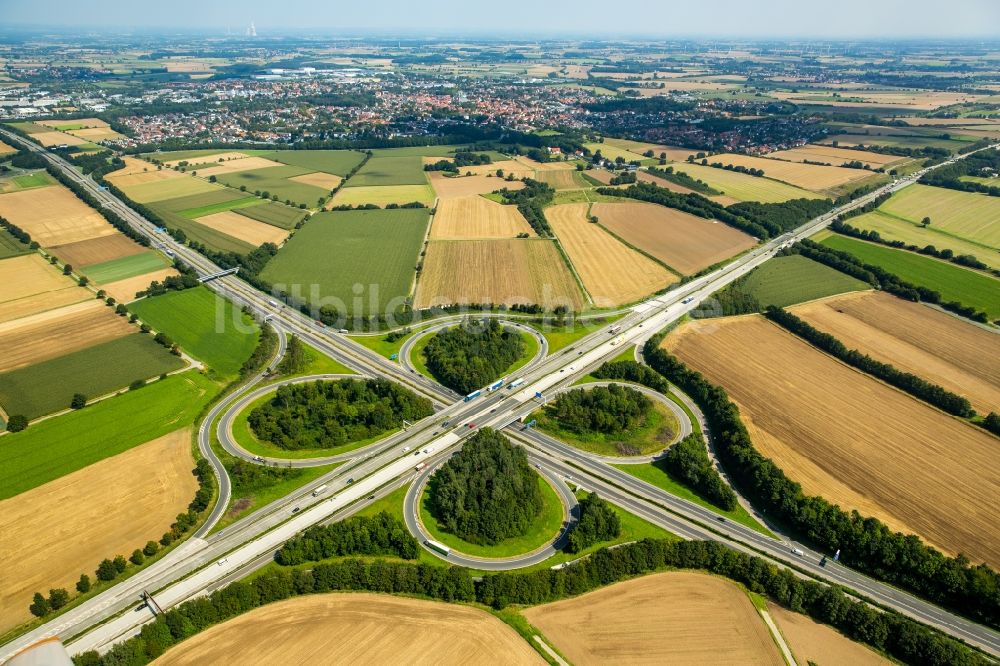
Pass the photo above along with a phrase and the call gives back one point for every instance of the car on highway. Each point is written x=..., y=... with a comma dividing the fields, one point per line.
x=296, y=509
x=350, y=481
x=471, y=426
x=406, y=449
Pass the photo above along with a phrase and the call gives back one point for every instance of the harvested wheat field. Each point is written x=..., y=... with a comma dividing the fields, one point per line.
x=496, y=271
x=5, y=149
x=514, y=167
x=465, y=186
x=837, y=156
x=325, y=181
x=477, y=217
x=76, y=122
x=668, y=618
x=125, y=290
x=52, y=333
x=559, y=179
x=53, y=216
x=242, y=227
x=96, y=250
x=148, y=189
x=95, y=134
x=807, y=176
x=48, y=139
x=646, y=177
x=914, y=338
x=815, y=643
x=235, y=165
x=612, y=272
x=207, y=158
x=140, y=177
x=134, y=165
x=29, y=275
x=356, y=628
x=682, y=241
x=851, y=439
x=61, y=529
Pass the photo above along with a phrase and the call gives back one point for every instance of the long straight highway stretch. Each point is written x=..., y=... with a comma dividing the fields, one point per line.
x=208, y=560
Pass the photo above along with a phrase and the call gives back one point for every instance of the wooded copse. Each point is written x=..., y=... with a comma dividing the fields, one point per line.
x=471, y=355
x=598, y=522
x=611, y=410
x=688, y=462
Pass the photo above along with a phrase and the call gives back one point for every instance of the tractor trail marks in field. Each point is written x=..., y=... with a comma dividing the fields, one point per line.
x=476, y=217
x=357, y=628
x=57, y=531
x=53, y=216
x=850, y=438
x=668, y=618
x=612, y=272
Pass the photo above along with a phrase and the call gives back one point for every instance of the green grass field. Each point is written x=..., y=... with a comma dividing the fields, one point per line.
x=177, y=188
x=275, y=214
x=545, y=527
x=274, y=180
x=201, y=211
x=217, y=195
x=746, y=188
x=336, y=250
x=10, y=246
x=125, y=267
x=31, y=128
x=405, y=170
x=645, y=438
x=560, y=337
x=954, y=283
x=974, y=217
x=37, y=179
x=784, y=281
x=55, y=447
x=209, y=328
x=429, y=151
x=893, y=228
x=848, y=140
x=337, y=162
x=49, y=386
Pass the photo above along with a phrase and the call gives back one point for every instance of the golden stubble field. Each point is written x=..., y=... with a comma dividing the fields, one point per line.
x=646, y=177
x=476, y=217
x=612, y=272
x=496, y=271
x=53, y=215
x=356, y=628
x=837, y=156
x=807, y=176
x=124, y=291
x=683, y=241
x=851, y=439
x=244, y=228
x=465, y=186
x=812, y=642
x=326, y=181
x=61, y=529
x=668, y=618
x=235, y=165
x=53, y=333
x=940, y=348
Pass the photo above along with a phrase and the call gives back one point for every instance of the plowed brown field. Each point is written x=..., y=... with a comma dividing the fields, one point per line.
x=356, y=629
x=242, y=227
x=477, y=217
x=496, y=271
x=45, y=335
x=812, y=642
x=668, y=618
x=915, y=338
x=96, y=250
x=850, y=438
x=53, y=216
x=612, y=272
x=682, y=241
x=61, y=529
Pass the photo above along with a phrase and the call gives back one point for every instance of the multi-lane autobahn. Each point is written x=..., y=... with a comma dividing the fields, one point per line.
x=205, y=561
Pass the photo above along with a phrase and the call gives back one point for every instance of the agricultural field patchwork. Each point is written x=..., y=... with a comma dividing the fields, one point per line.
x=382, y=195
x=612, y=272
x=849, y=438
x=110, y=507
x=396, y=170
x=276, y=181
x=235, y=165
x=463, y=186
x=336, y=162
x=838, y=156
x=11, y=247
x=784, y=281
x=275, y=214
x=125, y=290
x=806, y=176
x=742, y=187
x=682, y=241
x=967, y=215
x=477, y=217
x=377, y=249
x=126, y=267
x=53, y=216
x=29, y=285
x=96, y=250
x=496, y=271
x=244, y=228
x=168, y=188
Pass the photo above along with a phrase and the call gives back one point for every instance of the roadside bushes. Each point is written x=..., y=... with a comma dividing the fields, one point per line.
x=598, y=522
x=262, y=353
x=688, y=462
x=381, y=534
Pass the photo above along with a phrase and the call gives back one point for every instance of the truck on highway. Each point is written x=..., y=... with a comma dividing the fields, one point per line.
x=495, y=385
x=273, y=303
x=514, y=384
x=319, y=491
x=620, y=339
x=797, y=551
x=475, y=394
x=420, y=466
x=614, y=329
x=439, y=547
x=687, y=300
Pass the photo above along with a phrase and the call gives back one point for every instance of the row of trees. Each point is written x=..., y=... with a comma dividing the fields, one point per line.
x=487, y=492
x=325, y=414
x=688, y=462
x=610, y=410
x=18, y=233
x=631, y=371
x=471, y=355
x=267, y=345
x=598, y=522
x=684, y=180
x=982, y=163
x=895, y=634
x=905, y=381
x=381, y=534
x=295, y=359
x=866, y=544
x=462, y=158
x=530, y=200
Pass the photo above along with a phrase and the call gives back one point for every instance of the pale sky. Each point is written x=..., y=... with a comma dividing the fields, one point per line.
x=509, y=18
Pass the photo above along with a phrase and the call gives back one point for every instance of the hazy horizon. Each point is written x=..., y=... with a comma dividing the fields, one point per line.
x=849, y=19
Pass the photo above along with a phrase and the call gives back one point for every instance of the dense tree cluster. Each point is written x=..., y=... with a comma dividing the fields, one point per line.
x=624, y=178
x=325, y=414
x=982, y=163
x=688, y=462
x=633, y=372
x=471, y=355
x=381, y=534
x=295, y=359
x=17, y=232
x=188, y=279
x=866, y=544
x=598, y=522
x=530, y=200
x=462, y=158
x=684, y=180
x=905, y=381
x=891, y=632
x=262, y=353
x=736, y=299
x=610, y=410
x=27, y=159
x=248, y=477
x=487, y=492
